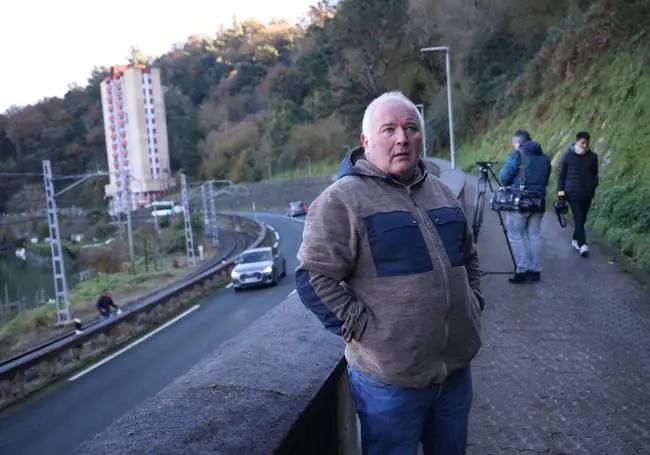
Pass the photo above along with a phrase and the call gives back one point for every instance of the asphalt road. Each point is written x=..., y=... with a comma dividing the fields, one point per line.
x=58, y=419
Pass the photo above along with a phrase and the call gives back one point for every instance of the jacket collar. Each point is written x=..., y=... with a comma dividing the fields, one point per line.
x=355, y=163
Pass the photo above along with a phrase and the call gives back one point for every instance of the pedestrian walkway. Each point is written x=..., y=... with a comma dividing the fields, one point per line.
x=565, y=363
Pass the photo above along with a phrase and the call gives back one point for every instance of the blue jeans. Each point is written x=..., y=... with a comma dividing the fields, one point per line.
x=524, y=232
x=394, y=420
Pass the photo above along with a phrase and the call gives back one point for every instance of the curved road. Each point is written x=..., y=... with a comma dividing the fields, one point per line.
x=63, y=416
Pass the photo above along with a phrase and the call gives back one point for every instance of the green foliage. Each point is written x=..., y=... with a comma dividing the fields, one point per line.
x=610, y=103
x=43, y=230
x=258, y=95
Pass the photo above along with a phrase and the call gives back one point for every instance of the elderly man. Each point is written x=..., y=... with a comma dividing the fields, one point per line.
x=388, y=262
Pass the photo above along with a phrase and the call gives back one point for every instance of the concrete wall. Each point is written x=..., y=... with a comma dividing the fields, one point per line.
x=271, y=389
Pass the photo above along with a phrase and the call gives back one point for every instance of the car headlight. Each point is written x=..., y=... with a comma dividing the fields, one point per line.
x=269, y=269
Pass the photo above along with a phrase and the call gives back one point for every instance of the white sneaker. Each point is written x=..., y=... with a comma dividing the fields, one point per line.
x=584, y=250
x=574, y=244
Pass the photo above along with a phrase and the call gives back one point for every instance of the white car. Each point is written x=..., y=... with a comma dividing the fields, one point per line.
x=258, y=266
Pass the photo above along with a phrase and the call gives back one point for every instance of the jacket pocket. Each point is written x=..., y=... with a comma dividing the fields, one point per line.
x=397, y=245
x=451, y=226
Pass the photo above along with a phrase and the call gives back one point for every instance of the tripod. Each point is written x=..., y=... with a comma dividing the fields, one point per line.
x=479, y=207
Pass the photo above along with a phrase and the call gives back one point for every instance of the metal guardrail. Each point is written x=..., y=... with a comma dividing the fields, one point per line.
x=129, y=308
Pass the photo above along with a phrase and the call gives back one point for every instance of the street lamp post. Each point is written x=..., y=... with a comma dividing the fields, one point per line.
x=452, y=144
x=420, y=107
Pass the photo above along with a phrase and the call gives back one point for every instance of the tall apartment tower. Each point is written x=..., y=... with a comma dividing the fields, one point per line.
x=136, y=137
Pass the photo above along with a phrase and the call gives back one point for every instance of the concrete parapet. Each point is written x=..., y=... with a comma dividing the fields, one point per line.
x=274, y=388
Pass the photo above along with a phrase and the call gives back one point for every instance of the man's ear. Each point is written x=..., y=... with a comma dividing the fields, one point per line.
x=364, y=140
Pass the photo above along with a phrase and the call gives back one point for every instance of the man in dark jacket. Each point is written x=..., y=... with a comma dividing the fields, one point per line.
x=524, y=229
x=577, y=180
x=388, y=263
x=104, y=304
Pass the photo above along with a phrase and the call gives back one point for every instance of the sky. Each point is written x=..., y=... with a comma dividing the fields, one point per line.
x=47, y=45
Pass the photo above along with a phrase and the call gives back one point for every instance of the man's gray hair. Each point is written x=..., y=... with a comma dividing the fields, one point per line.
x=398, y=96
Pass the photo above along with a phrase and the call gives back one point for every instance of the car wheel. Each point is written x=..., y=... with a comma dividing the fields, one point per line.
x=284, y=269
x=275, y=278
x=237, y=289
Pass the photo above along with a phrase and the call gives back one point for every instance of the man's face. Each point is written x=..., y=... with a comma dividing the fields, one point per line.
x=583, y=143
x=395, y=140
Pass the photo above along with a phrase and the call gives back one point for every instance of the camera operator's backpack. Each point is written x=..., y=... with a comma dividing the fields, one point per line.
x=518, y=199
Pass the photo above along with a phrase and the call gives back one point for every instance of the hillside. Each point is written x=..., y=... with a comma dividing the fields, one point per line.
x=610, y=99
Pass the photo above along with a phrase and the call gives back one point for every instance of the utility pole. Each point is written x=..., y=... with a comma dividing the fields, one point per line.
x=214, y=229
x=58, y=267
x=206, y=210
x=420, y=107
x=189, y=241
x=309, y=166
x=126, y=195
x=452, y=144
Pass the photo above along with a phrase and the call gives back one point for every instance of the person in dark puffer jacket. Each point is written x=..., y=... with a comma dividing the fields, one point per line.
x=577, y=181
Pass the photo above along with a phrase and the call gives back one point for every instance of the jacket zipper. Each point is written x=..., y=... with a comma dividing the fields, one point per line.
x=445, y=277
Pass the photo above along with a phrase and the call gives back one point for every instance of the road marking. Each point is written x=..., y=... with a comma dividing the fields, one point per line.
x=292, y=293
x=135, y=343
x=283, y=217
x=275, y=245
x=229, y=285
x=277, y=236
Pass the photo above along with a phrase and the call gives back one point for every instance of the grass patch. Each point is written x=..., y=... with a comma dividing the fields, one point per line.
x=38, y=324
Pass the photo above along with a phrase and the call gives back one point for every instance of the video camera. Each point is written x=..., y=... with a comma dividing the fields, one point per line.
x=561, y=209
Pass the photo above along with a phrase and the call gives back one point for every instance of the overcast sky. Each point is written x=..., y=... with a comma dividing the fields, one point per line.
x=48, y=44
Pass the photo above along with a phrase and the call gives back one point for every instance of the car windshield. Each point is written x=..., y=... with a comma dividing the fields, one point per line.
x=295, y=205
x=256, y=256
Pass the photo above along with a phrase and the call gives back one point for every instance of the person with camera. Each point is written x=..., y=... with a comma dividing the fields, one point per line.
x=577, y=180
x=528, y=168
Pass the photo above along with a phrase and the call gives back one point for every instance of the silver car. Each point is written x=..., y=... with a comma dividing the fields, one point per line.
x=258, y=266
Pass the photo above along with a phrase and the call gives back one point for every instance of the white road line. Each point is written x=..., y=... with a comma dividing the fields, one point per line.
x=229, y=285
x=135, y=343
x=277, y=236
x=275, y=245
x=292, y=293
x=284, y=217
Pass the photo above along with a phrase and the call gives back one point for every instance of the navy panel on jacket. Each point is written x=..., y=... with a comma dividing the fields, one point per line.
x=315, y=304
x=451, y=224
x=397, y=245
